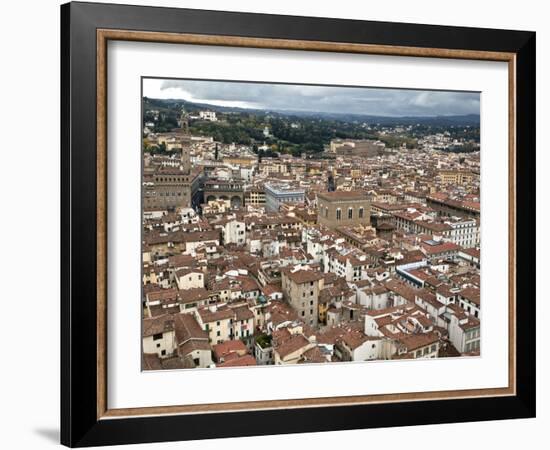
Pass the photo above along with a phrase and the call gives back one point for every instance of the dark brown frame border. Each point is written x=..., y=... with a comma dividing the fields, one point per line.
x=86, y=29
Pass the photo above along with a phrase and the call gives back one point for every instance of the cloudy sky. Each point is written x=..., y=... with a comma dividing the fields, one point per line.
x=384, y=102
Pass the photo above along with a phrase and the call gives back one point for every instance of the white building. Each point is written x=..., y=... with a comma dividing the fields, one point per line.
x=158, y=336
x=208, y=115
x=234, y=232
x=374, y=297
x=464, y=332
x=356, y=346
x=464, y=232
x=189, y=278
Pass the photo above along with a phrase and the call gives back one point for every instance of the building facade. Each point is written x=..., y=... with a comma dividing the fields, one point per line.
x=340, y=208
x=301, y=290
x=173, y=187
x=278, y=194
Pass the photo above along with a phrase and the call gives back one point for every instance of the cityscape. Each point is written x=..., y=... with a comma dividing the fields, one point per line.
x=296, y=224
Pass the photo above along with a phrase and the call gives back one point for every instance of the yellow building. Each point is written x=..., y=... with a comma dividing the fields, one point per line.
x=241, y=161
x=456, y=177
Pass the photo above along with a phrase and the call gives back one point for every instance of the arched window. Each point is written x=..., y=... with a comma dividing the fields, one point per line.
x=350, y=213
x=361, y=212
x=338, y=214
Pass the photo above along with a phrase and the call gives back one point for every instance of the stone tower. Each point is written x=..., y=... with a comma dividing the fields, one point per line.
x=186, y=155
x=331, y=186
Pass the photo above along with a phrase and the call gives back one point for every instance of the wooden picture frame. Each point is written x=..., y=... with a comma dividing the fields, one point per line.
x=86, y=418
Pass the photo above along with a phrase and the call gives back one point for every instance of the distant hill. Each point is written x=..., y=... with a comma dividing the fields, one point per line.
x=457, y=120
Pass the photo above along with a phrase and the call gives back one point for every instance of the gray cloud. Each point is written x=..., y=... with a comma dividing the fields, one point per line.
x=376, y=101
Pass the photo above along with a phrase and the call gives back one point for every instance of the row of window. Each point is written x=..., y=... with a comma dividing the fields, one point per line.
x=426, y=351
x=167, y=194
x=472, y=334
x=350, y=213
x=471, y=346
x=170, y=180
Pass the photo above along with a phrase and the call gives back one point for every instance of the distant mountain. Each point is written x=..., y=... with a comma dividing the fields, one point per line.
x=456, y=120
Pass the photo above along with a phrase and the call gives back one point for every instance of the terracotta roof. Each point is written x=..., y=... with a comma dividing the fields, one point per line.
x=243, y=313
x=440, y=248
x=193, y=295
x=157, y=325
x=354, y=339
x=303, y=276
x=162, y=294
x=472, y=322
x=193, y=345
x=313, y=355
x=295, y=343
x=150, y=361
x=246, y=360
x=471, y=294
x=430, y=298
x=415, y=341
x=221, y=313
x=472, y=252
x=188, y=328
x=229, y=347
x=401, y=289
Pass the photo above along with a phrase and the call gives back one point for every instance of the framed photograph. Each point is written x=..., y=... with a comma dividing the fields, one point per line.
x=281, y=224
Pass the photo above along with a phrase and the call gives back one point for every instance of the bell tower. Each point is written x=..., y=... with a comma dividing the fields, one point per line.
x=331, y=186
x=186, y=155
x=184, y=121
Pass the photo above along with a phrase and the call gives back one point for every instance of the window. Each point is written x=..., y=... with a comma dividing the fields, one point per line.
x=156, y=337
x=303, y=313
x=163, y=352
x=350, y=213
x=338, y=214
x=361, y=212
x=218, y=323
x=218, y=333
